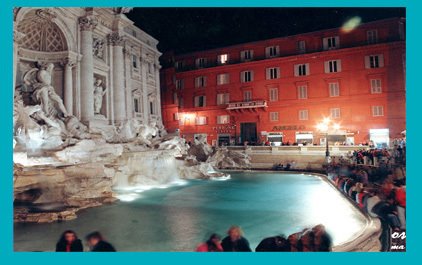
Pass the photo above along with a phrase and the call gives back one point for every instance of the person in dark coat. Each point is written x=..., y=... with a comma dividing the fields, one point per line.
x=273, y=244
x=235, y=242
x=97, y=243
x=323, y=241
x=69, y=242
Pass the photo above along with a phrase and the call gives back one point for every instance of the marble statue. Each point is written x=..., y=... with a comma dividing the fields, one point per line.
x=44, y=93
x=99, y=92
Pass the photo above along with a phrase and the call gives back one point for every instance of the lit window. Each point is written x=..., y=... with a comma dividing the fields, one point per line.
x=223, y=58
x=223, y=119
x=201, y=120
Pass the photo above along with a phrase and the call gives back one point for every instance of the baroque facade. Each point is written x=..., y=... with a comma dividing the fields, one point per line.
x=102, y=68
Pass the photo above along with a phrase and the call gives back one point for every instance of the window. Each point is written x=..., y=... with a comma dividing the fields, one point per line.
x=273, y=116
x=335, y=113
x=246, y=76
x=223, y=119
x=374, y=61
x=200, y=81
x=176, y=116
x=372, y=36
x=179, y=83
x=303, y=115
x=136, y=106
x=223, y=79
x=331, y=43
x=247, y=95
x=246, y=55
x=376, y=86
x=301, y=46
x=332, y=66
x=151, y=108
x=134, y=61
x=302, y=69
x=274, y=94
x=178, y=65
x=302, y=92
x=334, y=89
x=223, y=58
x=377, y=111
x=181, y=102
x=273, y=73
x=223, y=98
x=200, y=101
x=150, y=68
x=201, y=120
x=201, y=62
x=175, y=98
x=272, y=51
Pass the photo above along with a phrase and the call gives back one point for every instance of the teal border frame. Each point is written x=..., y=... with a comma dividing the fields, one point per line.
x=413, y=55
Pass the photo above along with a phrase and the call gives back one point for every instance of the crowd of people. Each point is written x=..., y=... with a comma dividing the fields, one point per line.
x=315, y=239
x=308, y=240
x=381, y=194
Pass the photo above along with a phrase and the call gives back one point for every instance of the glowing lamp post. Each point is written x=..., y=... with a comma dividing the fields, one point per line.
x=325, y=126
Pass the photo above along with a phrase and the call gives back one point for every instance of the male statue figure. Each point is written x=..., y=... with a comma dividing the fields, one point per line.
x=45, y=94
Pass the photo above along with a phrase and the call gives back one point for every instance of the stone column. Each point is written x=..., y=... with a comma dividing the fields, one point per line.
x=157, y=67
x=119, y=100
x=17, y=38
x=68, y=84
x=145, y=103
x=87, y=24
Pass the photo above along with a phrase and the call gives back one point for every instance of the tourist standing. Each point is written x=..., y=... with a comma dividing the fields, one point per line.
x=235, y=242
x=97, y=243
x=69, y=242
x=213, y=244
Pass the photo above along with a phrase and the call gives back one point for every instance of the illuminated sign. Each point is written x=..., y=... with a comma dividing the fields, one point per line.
x=289, y=127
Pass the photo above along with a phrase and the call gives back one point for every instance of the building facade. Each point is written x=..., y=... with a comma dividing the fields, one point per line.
x=106, y=70
x=280, y=89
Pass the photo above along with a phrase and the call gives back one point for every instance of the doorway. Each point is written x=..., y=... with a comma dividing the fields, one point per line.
x=248, y=132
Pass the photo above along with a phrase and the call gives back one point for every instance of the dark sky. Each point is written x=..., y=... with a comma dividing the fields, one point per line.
x=190, y=29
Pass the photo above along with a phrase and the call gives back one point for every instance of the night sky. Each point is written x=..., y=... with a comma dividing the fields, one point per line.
x=189, y=29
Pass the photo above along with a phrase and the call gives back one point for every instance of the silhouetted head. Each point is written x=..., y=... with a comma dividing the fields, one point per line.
x=93, y=238
x=235, y=232
x=68, y=236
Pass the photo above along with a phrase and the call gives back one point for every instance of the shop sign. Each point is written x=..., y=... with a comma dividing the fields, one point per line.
x=289, y=127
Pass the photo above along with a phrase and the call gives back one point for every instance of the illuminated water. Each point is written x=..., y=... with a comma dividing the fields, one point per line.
x=179, y=217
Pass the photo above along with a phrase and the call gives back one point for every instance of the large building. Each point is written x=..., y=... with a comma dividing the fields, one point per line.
x=104, y=68
x=280, y=89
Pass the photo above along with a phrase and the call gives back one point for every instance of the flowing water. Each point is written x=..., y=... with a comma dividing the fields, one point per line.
x=178, y=217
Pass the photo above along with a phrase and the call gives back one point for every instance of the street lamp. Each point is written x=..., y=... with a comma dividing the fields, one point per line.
x=324, y=126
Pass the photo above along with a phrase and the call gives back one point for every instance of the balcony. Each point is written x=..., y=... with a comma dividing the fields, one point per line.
x=250, y=106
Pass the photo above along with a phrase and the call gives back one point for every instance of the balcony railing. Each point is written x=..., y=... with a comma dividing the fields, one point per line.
x=247, y=105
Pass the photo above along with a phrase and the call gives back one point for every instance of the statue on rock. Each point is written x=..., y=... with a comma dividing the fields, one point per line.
x=44, y=93
x=99, y=92
x=40, y=118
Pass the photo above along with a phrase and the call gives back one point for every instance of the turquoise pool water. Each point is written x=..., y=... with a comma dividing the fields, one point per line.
x=177, y=218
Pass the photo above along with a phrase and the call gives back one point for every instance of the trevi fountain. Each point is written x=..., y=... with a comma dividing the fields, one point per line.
x=88, y=133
